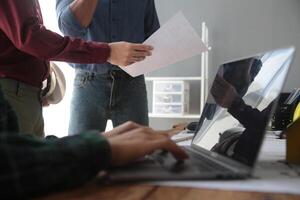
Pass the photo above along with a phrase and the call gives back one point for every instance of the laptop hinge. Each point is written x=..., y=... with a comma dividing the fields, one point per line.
x=221, y=160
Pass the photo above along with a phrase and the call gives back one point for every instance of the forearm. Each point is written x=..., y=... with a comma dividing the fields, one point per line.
x=84, y=11
x=28, y=34
x=151, y=19
x=44, y=166
x=249, y=117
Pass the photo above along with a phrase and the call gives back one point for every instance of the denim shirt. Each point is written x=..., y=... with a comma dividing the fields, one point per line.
x=114, y=20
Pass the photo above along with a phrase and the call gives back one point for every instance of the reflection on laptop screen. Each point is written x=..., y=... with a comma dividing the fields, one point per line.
x=239, y=105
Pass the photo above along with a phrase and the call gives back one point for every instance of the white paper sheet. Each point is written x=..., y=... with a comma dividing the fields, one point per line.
x=175, y=41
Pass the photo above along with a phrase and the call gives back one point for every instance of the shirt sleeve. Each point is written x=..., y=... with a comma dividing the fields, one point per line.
x=67, y=22
x=151, y=19
x=249, y=117
x=30, y=166
x=21, y=24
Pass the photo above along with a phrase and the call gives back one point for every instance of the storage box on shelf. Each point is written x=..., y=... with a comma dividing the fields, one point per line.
x=170, y=97
x=174, y=102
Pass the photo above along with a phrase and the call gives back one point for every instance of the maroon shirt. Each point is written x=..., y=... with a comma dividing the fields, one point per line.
x=26, y=46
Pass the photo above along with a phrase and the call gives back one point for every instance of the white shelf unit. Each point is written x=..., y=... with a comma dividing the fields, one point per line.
x=170, y=97
x=202, y=79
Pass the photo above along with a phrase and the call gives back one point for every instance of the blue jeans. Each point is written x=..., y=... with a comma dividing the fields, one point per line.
x=99, y=97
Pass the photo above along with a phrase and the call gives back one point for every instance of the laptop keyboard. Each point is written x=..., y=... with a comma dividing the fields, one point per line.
x=168, y=162
x=204, y=163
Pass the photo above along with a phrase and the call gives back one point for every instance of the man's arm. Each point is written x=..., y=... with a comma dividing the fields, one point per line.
x=67, y=22
x=151, y=19
x=250, y=118
x=21, y=24
x=30, y=166
x=84, y=11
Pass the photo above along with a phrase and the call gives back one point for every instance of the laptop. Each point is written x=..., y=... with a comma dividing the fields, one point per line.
x=231, y=128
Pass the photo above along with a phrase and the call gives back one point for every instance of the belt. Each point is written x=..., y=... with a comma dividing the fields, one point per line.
x=18, y=87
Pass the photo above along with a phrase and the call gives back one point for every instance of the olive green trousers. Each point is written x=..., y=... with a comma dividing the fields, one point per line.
x=25, y=100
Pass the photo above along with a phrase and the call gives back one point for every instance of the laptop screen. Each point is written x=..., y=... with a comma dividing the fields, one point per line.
x=240, y=104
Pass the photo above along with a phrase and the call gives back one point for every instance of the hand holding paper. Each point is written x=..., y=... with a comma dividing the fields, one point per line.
x=175, y=41
x=125, y=53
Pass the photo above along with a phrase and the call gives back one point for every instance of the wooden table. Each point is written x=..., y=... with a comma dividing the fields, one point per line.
x=96, y=191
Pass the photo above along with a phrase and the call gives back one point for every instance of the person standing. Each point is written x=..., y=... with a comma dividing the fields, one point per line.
x=104, y=91
x=26, y=49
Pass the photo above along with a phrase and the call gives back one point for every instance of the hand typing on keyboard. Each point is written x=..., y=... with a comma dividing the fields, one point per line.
x=168, y=161
x=130, y=142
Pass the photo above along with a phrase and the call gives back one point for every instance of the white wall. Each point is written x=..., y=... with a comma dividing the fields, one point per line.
x=56, y=117
x=238, y=28
x=241, y=27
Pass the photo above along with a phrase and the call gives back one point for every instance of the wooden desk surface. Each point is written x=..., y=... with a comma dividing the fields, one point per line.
x=151, y=192
x=96, y=191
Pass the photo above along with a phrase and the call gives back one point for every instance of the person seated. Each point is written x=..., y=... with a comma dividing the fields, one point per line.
x=31, y=166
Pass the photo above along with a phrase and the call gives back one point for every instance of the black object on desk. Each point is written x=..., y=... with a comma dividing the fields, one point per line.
x=191, y=127
x=284, y=112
